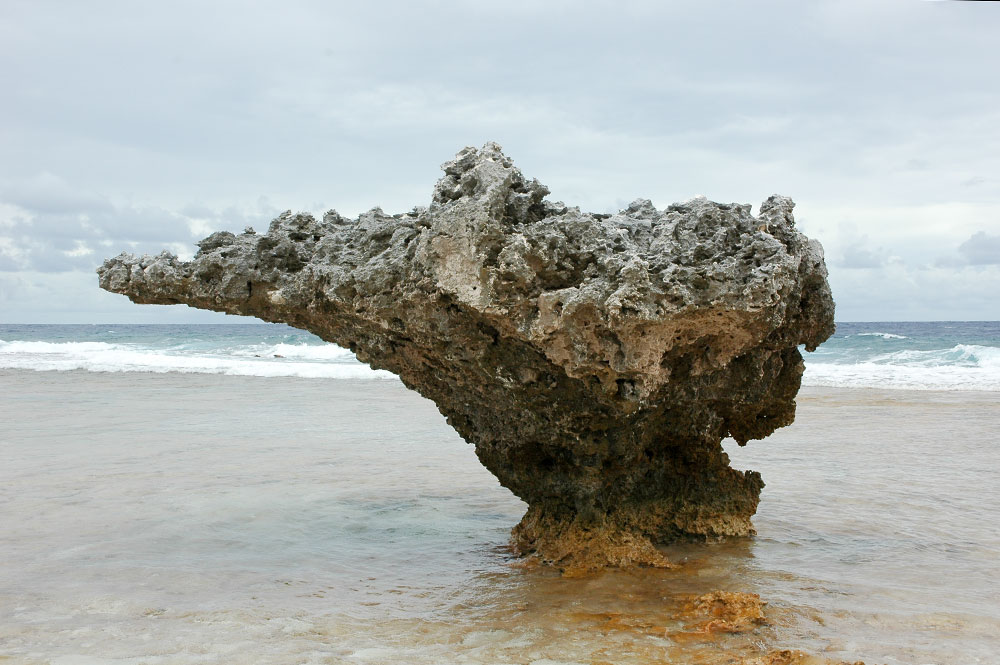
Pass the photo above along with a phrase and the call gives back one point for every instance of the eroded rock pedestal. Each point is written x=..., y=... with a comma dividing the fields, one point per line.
x=595, y=361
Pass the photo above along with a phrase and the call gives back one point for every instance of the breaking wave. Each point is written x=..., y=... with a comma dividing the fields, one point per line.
x=883, y=335
x=267, y=360
x=914, y=356
x=960, y=367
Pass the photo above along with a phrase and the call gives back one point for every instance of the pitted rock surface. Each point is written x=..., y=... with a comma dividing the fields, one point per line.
x=595, y=361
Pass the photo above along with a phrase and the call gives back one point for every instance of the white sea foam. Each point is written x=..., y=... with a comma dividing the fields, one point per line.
x=324, y=352
x=871, y=375
x=327, y=361
x=960, y=355
x=961, y=367
x=984, y=356
x=19, y=347
x=883, y=335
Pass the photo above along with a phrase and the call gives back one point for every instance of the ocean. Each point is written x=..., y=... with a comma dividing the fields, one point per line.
x=949, y=355
x=247, y=494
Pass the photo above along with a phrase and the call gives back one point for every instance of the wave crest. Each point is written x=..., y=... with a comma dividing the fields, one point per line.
x=306, y=361
x=883, y=335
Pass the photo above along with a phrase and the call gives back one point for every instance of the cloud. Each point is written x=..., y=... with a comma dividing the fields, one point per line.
x=857, y=255
x=57, y=297
x=885, y=263
x=899, y=292
x=981, y=249
x=139, y=128
x=47, y=225
x=12, y=256
x=47, y=193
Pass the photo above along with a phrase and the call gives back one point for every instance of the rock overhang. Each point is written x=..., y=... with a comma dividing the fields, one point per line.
x=596, y=361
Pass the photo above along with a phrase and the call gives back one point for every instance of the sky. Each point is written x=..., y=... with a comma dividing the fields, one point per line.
x=140, y=126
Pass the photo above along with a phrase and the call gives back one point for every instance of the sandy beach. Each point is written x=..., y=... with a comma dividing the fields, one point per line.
x=196, y=518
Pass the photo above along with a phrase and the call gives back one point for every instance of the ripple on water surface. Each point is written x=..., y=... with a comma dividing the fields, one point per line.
x=185, y=519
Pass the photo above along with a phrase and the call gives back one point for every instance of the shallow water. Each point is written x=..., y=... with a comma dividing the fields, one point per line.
x=214, y=519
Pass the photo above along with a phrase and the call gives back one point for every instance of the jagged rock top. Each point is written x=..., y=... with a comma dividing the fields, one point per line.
x=605, y=297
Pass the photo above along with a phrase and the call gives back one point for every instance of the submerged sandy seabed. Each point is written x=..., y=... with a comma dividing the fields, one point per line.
x=210, y=519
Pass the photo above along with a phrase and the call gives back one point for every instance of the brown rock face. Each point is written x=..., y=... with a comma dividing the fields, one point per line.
x=595, y=361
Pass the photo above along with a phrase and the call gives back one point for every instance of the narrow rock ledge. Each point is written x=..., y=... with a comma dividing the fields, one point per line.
x=595, y=361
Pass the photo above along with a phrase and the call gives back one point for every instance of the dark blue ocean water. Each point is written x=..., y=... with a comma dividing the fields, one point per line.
x=949, y=355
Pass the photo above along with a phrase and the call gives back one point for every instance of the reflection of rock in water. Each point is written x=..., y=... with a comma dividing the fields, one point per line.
x=595, y=361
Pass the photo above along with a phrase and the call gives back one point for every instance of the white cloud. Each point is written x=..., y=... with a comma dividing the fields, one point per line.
x=921, y=234
x=80, y=250
x=899, y=292
x=49, y=194
x=12, y=256
x=858, y=255
x=59, y=232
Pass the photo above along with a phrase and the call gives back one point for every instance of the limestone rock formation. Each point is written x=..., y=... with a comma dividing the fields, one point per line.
x=596, y=361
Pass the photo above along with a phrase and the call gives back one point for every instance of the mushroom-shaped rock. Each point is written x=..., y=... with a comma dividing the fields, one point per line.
x=595, y=361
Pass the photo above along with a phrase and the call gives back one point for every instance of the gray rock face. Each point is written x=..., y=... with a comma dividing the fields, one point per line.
x=595, y=361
